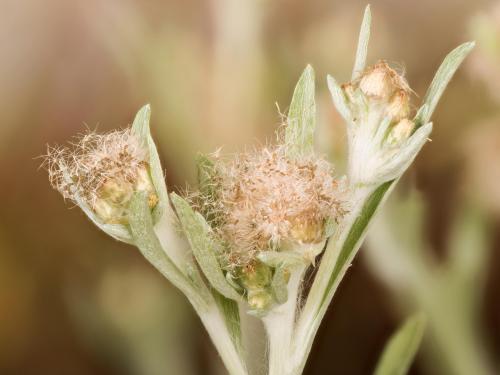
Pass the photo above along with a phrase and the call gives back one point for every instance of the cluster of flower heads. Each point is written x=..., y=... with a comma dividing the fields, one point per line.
x=385, y=88
x=102, y=171
x=264, y=200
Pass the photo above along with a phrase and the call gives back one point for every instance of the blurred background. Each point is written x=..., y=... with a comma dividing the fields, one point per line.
x=73, y=301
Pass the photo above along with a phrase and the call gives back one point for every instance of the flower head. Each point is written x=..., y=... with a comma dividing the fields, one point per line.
x=376, y=105
x=102, y=171
x=264, y=201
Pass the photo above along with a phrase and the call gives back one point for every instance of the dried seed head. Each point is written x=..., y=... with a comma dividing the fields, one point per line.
x=103, y=171
x=266, y=201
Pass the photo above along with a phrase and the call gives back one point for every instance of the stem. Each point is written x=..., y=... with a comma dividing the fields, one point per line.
x=340, y=252
x=279, y=324
x=216, y=326
x=213, y=318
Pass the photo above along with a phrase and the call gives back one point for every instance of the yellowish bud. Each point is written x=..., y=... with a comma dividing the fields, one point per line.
x=377, y=82
x=399, y=106
x=256, y=279
x=381, y=82
x=113, y=197
x=259, y=299
x=401, y=131
x=307, y=231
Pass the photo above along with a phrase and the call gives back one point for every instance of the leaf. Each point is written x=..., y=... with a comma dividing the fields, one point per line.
x=299, y=133
x=276, y=258
x=140, y=128
x=141, y=228
x=354, y=238
x=339, y=99
x=364, y=38
x=401, y=349
x=204, y=246
x=231, y=313
x=206, y=173
x=398, y=164
x=443, y=76
x=206, y=183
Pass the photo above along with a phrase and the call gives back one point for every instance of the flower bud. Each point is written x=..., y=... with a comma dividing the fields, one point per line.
x=401, y=131
x=382, y=83
x=399, y=106
x=377, y=82
x=111, y=204
x=256, y=279
x=103, y=172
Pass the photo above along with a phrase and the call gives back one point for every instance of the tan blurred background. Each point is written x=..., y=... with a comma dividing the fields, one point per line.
x=73, y=301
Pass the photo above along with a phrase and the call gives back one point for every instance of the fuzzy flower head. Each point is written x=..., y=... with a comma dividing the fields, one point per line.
x=376, y=105
x=102, y=171
x=267, y=201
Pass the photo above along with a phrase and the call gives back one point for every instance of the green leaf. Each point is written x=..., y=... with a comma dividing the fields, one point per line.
x=401, y=349
x=277, y=258
x=144, y=236
x=299, y=133
x=204, y=246
x=207, y=185
x=231, y=313
x=364, y=38
x=443, y=76
x=206, y=173
x=140, y=128
x=339, y=99
x=353, y=241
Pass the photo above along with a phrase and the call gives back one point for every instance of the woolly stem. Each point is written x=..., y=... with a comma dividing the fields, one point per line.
x=216, y=326
x=338, y=256
x=279, y=324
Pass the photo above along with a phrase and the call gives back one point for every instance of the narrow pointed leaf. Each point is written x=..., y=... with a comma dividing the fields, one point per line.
x=443, y=76
x=401, y=349
x=140, y=128
x=364, y=38
x=144, y=236
x=299, y=133
x=339, y=99
x=277, y=259
x=203, y=245
x=230, y=311
x=408, y=152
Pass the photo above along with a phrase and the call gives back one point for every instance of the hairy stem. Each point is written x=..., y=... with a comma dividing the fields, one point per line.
x=279, y=324
x=338, y=256
x=216, y=326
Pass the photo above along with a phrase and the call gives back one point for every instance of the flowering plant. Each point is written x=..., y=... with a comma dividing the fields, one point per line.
x=258, y=221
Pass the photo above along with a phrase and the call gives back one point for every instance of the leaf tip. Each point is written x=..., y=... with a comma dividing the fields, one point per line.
x=309, y=71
